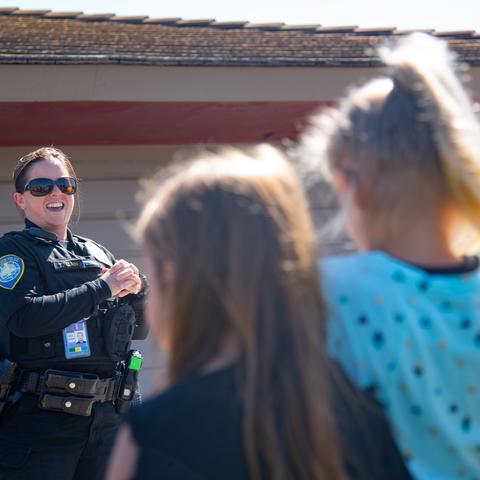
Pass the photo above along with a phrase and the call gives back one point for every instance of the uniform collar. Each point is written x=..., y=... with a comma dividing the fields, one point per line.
x=38, y=232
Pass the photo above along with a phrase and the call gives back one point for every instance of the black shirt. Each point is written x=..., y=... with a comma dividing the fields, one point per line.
x=193, y=431
x=47, y=285
x=28, y=301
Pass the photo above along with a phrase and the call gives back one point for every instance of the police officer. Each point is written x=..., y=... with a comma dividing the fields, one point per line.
x=68, y=312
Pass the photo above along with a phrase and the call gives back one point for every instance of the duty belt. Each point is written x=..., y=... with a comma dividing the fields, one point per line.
x=70, y=392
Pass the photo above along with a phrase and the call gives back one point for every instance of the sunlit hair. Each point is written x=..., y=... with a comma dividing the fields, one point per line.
x=20, y=172
x=24, y=163
x=236, y=228
x=411, y=137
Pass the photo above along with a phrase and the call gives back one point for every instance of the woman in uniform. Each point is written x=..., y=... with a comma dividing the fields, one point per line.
x=60, y=397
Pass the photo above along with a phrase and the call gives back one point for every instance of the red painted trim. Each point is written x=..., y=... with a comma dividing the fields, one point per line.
x=136, y=123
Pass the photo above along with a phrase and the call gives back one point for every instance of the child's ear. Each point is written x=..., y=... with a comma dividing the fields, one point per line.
x=349, y=185
x=342, y=183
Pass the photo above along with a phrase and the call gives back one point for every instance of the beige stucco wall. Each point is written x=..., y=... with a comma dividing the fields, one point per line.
x=110, y=179
x=111, y=174
x=110, y=183
x=152, y=83
x=109, y=195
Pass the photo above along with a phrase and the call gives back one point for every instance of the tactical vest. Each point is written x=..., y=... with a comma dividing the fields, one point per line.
x=61, y=269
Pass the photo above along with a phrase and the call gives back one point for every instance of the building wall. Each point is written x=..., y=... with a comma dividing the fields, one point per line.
x=25, y=83
x=111, y=178
x=40, y=83
x=111, y=174
x=109, y=182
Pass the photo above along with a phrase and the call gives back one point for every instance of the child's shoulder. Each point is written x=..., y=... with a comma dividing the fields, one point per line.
x=348, y=267
x=373, y=272
x=349, y=260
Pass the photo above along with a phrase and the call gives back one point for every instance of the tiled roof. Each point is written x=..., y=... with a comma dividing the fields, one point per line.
x=44, y=37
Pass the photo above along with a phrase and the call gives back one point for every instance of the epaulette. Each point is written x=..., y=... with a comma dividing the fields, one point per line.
x=81, y=239
x=21, y=236
x=15, y=234
x=42, y=235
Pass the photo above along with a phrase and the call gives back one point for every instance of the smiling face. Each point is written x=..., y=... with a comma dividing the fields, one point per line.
x=53, y=211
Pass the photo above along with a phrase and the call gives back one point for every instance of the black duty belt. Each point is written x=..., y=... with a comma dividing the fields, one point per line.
x=70, y=392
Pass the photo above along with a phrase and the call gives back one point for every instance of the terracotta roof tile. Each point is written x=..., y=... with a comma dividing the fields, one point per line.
x=408, y=31
x=95, y=17
x=301, y=28
x=64, y=38
x=456, y=33
x=375, y=31
x=31, y=13
x=7, y=10
x=226, y=25
x=162, y=21
x=195, y=23
x=265, y=26
x=338, y=29
x=63, y=15
x=128, y=19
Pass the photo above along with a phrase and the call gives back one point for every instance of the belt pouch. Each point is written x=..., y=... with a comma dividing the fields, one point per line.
x=71, y=382
x=118, y=328
x=66, y=404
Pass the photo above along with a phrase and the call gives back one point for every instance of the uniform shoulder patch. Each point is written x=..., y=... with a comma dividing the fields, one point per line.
x=11, y=271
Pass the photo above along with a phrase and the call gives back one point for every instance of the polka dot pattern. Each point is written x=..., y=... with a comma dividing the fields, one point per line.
x=416, y=338
x=362, y=319
x=378, y=339
x=425, y=322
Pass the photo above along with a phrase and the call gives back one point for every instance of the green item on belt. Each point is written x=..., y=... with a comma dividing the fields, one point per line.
x=136, y=361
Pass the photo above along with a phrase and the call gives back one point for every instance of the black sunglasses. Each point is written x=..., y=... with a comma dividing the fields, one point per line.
x=39, y=187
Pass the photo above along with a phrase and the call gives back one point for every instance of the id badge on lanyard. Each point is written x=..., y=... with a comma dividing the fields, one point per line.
x=75, y=340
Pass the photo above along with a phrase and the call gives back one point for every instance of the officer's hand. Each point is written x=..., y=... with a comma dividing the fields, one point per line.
x=122, y=277
x=136, y=277
x=120, y=264
x=134, y=288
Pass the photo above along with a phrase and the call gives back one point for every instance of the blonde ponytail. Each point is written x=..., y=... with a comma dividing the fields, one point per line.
x=424, y=65
x=411, y=137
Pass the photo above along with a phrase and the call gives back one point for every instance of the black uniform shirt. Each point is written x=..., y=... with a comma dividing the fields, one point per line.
x=46, y=285
x=24, y=304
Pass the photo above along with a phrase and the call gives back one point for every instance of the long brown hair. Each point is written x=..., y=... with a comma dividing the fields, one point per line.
x=236, y=228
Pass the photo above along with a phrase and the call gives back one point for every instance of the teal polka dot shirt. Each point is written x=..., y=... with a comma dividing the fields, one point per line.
x=414, y=337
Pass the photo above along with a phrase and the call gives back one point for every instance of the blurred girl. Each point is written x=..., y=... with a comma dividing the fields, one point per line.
x=403, y=152
x=236, y=304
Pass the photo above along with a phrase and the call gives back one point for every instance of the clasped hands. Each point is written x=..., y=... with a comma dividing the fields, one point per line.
x=123, y=278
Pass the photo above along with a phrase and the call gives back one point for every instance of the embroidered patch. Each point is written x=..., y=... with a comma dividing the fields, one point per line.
x=11, y=271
